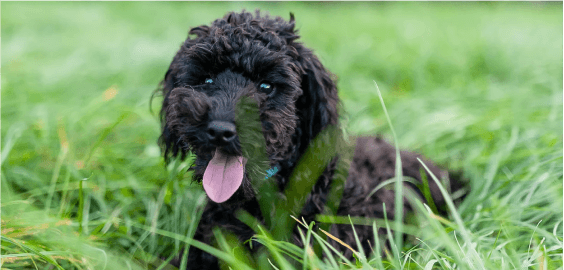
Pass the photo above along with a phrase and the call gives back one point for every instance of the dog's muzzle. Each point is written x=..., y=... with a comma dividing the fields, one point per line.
x=224, y=173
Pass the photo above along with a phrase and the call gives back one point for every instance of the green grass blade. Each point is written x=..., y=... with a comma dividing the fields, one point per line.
x=398, y=203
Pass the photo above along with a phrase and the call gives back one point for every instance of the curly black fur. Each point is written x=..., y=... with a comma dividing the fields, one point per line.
x=238, y=53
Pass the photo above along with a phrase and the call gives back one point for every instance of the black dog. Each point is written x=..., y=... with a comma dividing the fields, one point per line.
x=241, y=55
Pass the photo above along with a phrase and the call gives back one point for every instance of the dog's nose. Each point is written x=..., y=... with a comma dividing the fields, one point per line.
x=221, y=132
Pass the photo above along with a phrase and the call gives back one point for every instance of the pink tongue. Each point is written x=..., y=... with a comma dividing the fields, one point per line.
x=223, y=176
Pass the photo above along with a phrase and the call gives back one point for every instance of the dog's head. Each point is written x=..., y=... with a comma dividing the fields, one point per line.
x=243, y=56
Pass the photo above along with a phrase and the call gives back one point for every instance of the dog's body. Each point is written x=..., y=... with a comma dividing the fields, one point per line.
x=242, y=55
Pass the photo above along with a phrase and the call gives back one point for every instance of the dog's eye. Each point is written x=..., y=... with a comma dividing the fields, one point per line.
x=266, y=88
x=208, y=80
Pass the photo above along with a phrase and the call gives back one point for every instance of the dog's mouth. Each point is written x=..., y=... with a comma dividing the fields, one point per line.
x=223, y=176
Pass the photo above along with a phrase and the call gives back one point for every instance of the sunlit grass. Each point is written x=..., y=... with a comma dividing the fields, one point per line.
x=476, y=87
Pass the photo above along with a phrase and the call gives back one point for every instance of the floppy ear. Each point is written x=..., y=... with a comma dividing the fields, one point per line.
x=168, y=140
x=319, y=104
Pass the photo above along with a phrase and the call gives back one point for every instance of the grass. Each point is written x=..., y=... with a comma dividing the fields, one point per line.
x=476, y=87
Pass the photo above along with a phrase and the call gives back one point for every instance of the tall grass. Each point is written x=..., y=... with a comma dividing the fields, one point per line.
x=476, y=87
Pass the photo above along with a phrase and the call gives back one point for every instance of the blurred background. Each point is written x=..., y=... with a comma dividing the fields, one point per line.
x=477, y=87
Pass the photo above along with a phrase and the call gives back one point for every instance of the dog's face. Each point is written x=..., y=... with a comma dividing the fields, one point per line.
x=242, y=56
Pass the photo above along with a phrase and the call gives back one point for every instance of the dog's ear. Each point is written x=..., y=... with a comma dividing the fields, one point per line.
x=168, y=139
x=319, y=104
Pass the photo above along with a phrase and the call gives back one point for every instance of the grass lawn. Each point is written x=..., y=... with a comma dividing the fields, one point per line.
x=476, y=87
